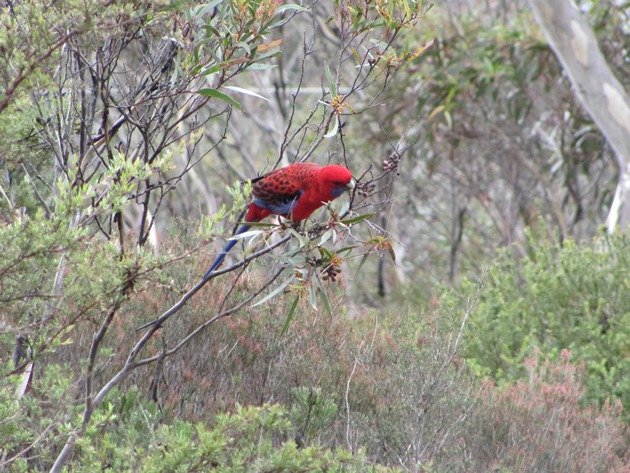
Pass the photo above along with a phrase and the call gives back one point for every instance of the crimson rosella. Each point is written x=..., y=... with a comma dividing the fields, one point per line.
x=294, y=192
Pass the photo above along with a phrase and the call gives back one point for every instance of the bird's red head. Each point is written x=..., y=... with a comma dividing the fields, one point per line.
x=334, y=180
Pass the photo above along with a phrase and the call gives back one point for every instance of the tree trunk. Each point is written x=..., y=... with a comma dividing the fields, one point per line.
x=574, y=43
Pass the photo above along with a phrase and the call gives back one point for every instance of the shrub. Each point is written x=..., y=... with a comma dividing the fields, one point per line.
x=569, y=297
x=390, y=388
x=247, y=439
x=537, y=424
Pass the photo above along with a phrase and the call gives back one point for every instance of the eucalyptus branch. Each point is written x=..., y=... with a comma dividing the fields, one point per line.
x=186, y=297
x=214, y=319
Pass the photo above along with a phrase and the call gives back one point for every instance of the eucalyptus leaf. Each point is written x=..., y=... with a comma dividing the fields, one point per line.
x=332, y=84
x=246, y=92
x=291, y=7
x=362, y=262
x=335, y=128
x=290, y=315
x=360, y=218
x=247, y=234
x=275, y=292
x=214, y=93
x=326, y=236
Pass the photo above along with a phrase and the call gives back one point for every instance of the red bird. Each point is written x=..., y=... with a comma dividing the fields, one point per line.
x=294, y=192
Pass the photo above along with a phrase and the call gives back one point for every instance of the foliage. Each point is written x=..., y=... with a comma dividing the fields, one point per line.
x=537, y=424
x=312, y=412
x=129, y=434
x=136, y=438
x=504, y=142
x=391, y=384
x=392, y=388
x=555, y=298
x=30, y=430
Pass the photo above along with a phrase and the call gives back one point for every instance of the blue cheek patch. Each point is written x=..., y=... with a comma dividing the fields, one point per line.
x=337, y=191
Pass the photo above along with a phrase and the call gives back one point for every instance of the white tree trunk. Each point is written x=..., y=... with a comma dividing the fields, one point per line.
x=599, y=91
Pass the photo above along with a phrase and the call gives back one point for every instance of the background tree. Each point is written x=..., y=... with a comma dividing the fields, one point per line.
x=573, y=41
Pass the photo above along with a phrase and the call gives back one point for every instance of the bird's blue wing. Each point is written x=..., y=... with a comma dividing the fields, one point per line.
x=279, y=204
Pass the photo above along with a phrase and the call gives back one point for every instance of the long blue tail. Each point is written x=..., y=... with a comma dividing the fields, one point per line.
x=230, y=244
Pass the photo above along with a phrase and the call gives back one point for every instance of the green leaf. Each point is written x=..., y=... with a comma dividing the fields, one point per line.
x=332, y=84
x=360, y=218
x=243, y=45
x=291, y=7
x=214, y=93
x=326, y=236
x=325, y=301
x=208, y=7
x=257, y=66
x=289, y=318
x=260, y=224
x=212, y=70
x=303, y=241
x=312, y=297
x=326, y=253
x=275, y=292
x=362, y=262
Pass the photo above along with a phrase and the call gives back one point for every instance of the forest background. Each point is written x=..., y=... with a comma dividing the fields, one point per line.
x=465, y=308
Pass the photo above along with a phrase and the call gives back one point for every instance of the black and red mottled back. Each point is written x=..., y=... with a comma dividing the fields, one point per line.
x=278, y=190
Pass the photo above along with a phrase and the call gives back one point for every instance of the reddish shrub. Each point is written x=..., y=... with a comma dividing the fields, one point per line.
x=539, y=424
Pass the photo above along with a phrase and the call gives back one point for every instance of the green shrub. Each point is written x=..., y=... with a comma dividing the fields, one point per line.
x=245, y=440
x=574, y=297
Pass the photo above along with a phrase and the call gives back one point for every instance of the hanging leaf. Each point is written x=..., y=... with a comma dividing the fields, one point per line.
x=332, y=84
x=215, y=94
x=362, y=262
x=334, y=130
x=275, y=292
x=325, y=301
x=246, y=92
x=344, y=207
x=289, y=318
x=326, y=236
x=360, y=218
x=312, y=297
x=391, y=252
x=289, y=7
